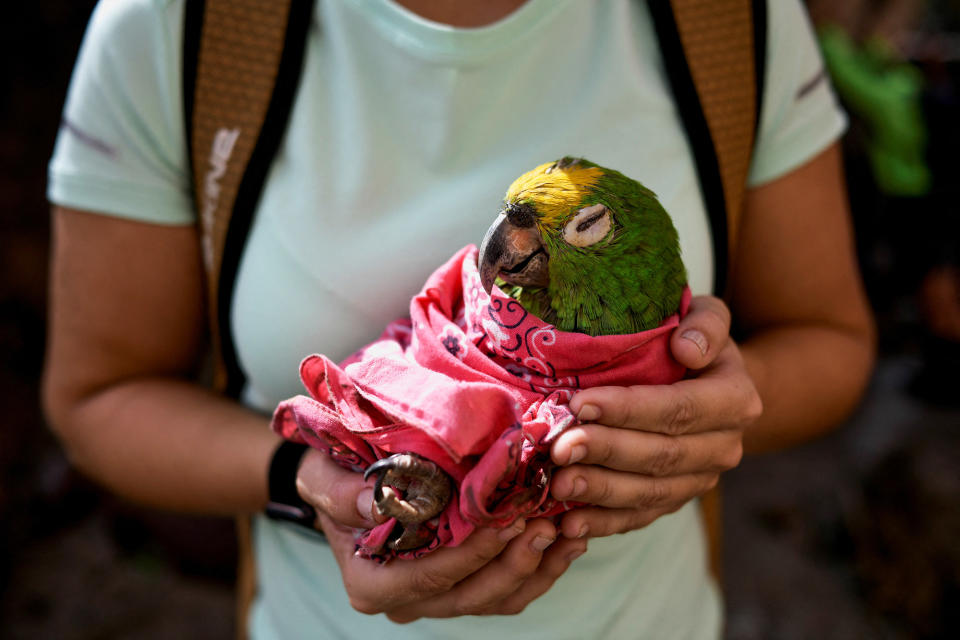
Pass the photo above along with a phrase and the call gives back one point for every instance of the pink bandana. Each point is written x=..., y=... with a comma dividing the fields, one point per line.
x=477, y=385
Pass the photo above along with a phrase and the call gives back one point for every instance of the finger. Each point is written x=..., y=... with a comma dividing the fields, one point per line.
x=490, y=585
x=701, y=333
x=343, y=495
x=556, y=560
x=722, y=396
x=597, y=522
x=620, y=490
x=371, y=588
x=340, y=538
x=649, y=453
x=392, y=587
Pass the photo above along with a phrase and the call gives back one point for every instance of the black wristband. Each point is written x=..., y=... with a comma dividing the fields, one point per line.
x=285, y=502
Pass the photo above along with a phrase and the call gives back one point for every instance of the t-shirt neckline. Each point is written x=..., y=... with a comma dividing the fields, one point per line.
x=445, y=43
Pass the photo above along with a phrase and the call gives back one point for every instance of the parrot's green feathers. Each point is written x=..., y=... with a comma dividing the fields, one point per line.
x=614, y=257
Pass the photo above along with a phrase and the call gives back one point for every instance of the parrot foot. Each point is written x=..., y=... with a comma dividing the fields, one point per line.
x=413, y=490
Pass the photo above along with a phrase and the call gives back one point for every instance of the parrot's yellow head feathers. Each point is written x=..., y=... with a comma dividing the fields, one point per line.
x=554, y=189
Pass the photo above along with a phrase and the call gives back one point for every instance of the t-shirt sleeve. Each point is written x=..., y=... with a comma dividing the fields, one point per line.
x=800, y=115
x=121, y=149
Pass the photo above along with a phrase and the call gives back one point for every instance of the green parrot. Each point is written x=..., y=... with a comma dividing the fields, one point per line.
x=586, y=249
x=582, y=247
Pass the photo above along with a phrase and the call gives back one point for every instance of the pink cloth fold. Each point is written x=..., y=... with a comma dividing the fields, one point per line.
x=474, y=383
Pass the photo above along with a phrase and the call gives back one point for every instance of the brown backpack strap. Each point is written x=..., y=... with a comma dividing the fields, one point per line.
x=714, y=53
x=241, y=66
x=242, y=63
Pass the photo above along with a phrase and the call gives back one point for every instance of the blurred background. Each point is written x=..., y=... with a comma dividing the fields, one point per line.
x=855, y=535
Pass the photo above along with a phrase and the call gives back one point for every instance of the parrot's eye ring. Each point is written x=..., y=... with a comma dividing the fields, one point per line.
x=589, y=226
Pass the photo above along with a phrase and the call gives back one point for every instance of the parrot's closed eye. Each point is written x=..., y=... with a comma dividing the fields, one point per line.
x=588, y=227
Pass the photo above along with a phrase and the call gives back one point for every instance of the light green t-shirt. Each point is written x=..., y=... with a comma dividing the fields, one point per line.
x=403, y=137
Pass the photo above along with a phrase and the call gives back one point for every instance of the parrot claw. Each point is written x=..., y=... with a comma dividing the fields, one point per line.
x=380, y=467
x=411, y=489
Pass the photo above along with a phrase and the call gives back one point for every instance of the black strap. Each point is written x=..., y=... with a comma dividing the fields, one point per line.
x=192, y=28
x=285, y=502
x=255, y=173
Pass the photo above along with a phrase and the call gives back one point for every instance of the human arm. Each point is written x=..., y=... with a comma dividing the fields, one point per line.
x=126, y=328
x=805, y=355
x=810, y=343
x=125, y=334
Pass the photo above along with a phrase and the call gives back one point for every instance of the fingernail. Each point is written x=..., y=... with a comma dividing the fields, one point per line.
x=365, y=504
x=579, y=487
x=540, y=543
x=577, y=453
x=696, y=338
x=513, y=530
x=573, y=555
x=583, y=531
x=588, y=412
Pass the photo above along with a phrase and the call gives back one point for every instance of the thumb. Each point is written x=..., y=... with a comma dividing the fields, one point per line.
x=342, y=495
x=702, y=333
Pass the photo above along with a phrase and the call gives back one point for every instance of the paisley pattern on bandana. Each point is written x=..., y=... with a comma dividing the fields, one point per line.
x=475, y=383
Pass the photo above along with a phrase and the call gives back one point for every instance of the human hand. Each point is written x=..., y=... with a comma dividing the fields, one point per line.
x=494, y=571
x=644, y=451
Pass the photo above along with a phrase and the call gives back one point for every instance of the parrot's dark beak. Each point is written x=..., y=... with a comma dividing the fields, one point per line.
x=514, y=253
